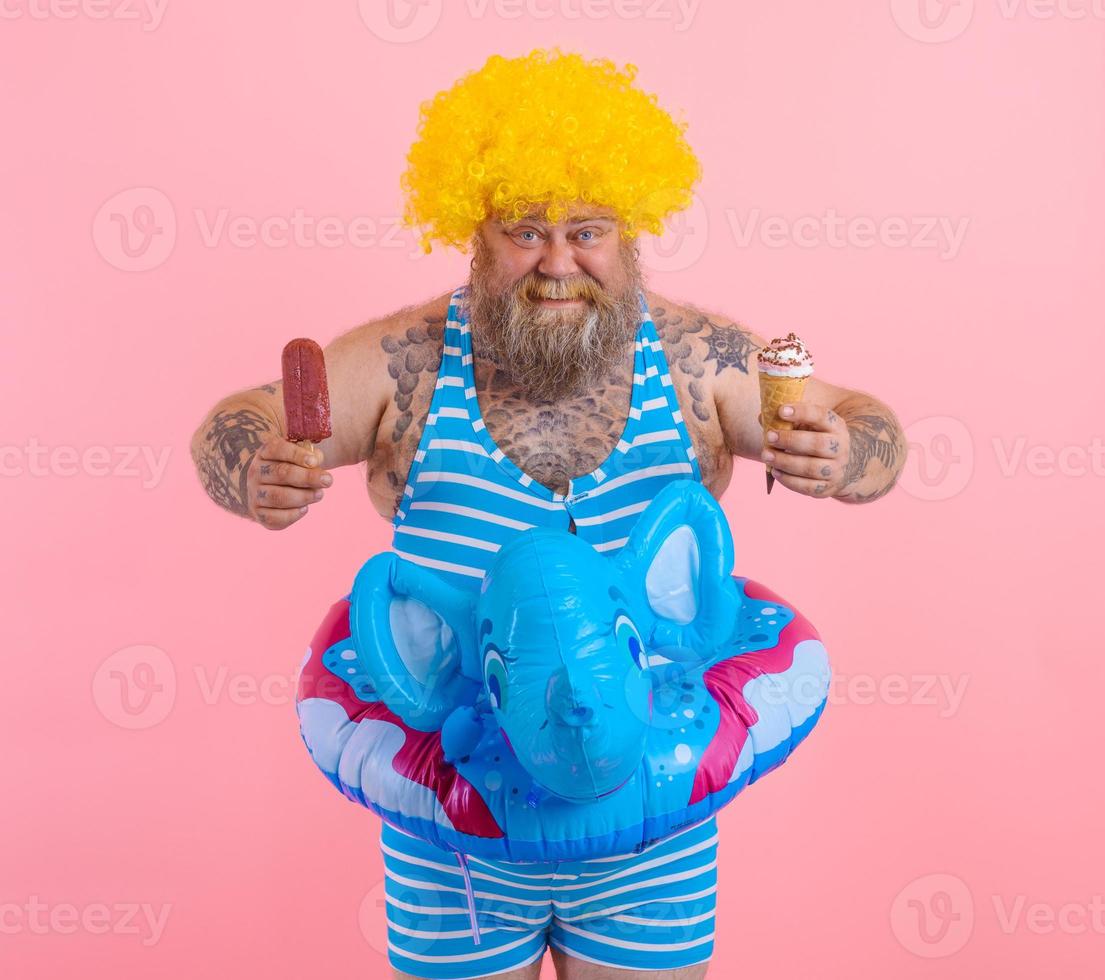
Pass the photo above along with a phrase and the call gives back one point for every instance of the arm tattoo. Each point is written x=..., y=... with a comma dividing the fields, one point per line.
x=863, y=498
x=677, y=333
x=224, y=454
x=411, y=356
x=872, y=436
x=727, y=346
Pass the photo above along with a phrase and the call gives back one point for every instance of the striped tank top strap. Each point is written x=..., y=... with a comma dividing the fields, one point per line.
x=668, y=424
x=447, y=402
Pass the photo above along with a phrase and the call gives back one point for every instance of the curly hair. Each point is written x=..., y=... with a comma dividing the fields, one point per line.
x=546, y=130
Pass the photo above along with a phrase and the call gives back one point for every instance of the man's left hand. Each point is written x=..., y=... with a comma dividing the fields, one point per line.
x=811, y=458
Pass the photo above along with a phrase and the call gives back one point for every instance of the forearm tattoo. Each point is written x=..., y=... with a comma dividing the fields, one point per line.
x=872, y=437
x=223, y=455
x=411, y=357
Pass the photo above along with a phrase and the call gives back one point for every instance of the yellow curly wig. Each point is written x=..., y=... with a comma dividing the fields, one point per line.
x=545, y=130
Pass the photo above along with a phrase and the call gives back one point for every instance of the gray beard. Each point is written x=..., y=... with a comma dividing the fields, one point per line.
x=551, y=353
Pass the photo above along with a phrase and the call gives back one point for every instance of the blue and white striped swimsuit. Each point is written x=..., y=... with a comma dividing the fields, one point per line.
x=463, y=500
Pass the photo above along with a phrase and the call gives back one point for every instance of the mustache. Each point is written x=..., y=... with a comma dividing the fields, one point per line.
x=534, y=288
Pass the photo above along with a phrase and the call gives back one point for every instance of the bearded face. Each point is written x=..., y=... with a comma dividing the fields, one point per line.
x=551, y=352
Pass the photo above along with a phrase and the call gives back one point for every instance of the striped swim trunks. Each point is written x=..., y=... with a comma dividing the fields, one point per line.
x=648, y=911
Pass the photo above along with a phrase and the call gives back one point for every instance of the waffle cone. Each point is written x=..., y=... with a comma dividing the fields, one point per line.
x=776, y=391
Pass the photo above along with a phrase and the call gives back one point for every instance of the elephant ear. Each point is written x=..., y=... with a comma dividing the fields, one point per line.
x=679, y=559
x=414, y=634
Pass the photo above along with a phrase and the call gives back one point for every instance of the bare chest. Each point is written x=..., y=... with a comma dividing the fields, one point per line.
x=551, y=442
x=555, y=442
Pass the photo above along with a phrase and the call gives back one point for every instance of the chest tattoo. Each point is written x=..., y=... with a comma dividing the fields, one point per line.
x=554, y=441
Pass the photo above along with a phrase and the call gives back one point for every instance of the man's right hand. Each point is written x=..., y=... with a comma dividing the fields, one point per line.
x=284, y=479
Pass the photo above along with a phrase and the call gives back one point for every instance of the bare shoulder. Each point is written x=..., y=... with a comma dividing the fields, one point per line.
x=712, y=360
x=411, y=346
x=369, y=365
x=699, y=339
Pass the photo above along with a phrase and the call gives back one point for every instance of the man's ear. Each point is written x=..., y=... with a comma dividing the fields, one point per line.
x=679, y=558
x=413, y=633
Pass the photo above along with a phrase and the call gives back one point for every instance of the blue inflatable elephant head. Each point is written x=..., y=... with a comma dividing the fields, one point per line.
x=559, y=643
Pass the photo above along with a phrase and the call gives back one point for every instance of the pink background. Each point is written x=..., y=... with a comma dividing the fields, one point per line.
x=153, y=757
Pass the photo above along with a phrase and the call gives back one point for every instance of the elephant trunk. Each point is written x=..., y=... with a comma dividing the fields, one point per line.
x=569, y=704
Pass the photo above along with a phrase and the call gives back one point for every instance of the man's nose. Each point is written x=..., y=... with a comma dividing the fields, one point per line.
x=558, y=262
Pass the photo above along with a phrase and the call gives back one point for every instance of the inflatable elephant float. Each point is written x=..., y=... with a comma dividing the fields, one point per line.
x=578, y=705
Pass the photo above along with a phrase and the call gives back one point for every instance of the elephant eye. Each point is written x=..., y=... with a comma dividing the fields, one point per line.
x=494, y=672
x=626, y=635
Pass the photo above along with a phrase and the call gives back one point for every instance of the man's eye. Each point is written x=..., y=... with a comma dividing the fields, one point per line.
x=528, y=231
x=587, y=231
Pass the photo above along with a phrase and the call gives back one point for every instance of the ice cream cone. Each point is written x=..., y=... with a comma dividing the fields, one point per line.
x=776, y=391
x=785, y=366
